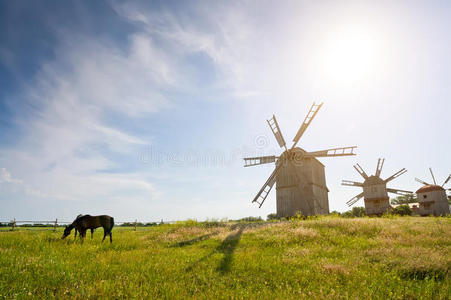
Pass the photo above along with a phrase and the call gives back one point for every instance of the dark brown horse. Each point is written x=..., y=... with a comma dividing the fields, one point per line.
x=76, y=231
x=83, y=223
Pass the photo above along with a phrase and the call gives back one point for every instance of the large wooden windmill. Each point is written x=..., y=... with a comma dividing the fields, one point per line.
x=375, y=191
x=299, y=176
x=432, y=198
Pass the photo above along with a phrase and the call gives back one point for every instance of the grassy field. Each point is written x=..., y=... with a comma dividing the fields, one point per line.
x=328, y=257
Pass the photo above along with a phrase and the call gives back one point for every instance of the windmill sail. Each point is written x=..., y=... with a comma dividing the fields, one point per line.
x=397, y=174
x=399, y=192
x=433, y=178
x=343, y=151
x=360, y=170
x=380, y=164
x=351, y=183
x=264, y=191
x=355, y=199
x=447, y=179
x=255, y=161
x=276, y=131
x=421, y=181
x=308, y=119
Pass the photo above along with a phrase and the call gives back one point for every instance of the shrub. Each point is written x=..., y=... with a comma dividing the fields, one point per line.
x=355, y=212
x=271, y=217
x=250, y=219
x=402, y=210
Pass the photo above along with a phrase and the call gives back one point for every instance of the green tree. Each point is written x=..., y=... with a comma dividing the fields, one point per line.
x=358, y=211
x=402, y=210
x=404, y=199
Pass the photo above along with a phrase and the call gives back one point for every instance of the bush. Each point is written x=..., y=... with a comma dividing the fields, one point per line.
x=402, y=210
x=358, y=211
x=251, y=219
x=355, y=212
x=271, y=217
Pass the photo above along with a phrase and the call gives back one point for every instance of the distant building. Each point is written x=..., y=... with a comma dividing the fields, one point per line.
x=375, y=191
x=376, y=196
x=432, y=200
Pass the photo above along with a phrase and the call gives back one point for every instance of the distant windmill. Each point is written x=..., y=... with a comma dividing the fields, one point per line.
x=432, y=198
x=301, y=182
x=375, y=191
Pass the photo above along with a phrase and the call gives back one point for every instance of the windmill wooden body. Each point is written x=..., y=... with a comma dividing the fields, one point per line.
x=299, y=177
x=375, y=191
x=432, y=198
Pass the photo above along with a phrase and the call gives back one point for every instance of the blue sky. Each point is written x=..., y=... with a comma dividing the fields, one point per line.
x=145, y=109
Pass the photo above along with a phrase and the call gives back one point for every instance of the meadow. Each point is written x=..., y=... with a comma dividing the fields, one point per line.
x=325, y=257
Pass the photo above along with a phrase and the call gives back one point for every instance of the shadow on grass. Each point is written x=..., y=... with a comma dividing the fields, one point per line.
x=227, y=247
x=195, y=240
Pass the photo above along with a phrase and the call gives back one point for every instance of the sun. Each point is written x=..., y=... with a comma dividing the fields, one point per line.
x=349, y=56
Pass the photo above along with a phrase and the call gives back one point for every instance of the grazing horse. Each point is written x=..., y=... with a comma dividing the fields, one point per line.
x=76, y=231
x=86, y=222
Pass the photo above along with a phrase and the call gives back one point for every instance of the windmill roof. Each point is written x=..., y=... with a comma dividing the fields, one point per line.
x=298, y=149
x=373, y=180
x=429, y=188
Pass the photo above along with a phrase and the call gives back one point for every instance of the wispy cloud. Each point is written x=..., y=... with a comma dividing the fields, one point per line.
x=69, y=138
x=99, y=99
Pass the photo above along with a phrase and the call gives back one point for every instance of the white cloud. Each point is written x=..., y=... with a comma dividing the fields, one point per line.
x=66, y=141
x=5, y=177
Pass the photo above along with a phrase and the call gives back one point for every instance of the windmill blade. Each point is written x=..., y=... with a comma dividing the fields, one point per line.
x=397, y=174
x=360, y=170
x=355, y=199
x=433, y=178
x=351, y=183
x=399, y=192
x=264, y=191
x=380, y=164
x=255, y=161
x=308, y=119
x=421, y=181
x=276, y=131
x=447, y=179
x=344, y=151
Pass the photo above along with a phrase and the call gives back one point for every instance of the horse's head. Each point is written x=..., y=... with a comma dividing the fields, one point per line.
x=67, y=231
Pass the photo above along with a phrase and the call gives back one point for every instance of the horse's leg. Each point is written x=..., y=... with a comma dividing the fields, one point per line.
x=76, y=231
x=82, y=235
x=92, y=233
x=111, y=237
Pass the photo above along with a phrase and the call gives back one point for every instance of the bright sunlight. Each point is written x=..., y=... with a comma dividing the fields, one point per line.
x=349, y=56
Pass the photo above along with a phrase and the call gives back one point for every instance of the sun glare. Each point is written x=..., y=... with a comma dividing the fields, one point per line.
x=349, y=56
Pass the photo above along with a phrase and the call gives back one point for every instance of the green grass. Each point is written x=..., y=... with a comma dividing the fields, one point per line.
x=328, y=257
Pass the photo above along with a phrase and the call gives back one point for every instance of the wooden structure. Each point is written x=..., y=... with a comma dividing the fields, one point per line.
x=299, y=177
x=375, y=191
x=432, y=198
